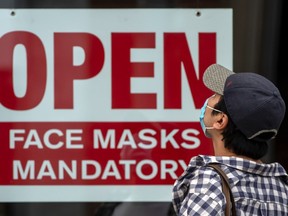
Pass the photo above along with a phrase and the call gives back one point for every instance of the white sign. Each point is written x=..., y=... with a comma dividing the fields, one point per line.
x=104, y=104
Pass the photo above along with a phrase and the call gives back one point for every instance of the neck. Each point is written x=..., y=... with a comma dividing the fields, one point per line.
x=220, y=150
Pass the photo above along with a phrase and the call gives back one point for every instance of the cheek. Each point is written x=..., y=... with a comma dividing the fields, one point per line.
x=208, y=118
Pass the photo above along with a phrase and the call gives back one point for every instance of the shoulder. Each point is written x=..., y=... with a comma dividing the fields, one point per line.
x=204, y=187
x=199, y=185
x=205, y=179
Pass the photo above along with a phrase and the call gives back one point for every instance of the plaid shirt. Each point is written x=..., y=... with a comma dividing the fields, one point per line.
x=258, y=189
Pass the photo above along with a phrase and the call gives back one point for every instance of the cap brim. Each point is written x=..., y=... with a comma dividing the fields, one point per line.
x=215, y=77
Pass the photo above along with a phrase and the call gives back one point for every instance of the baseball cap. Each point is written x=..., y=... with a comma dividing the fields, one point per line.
x=253, y=102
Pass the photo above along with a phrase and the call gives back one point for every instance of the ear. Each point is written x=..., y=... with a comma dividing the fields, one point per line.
x=222, y=121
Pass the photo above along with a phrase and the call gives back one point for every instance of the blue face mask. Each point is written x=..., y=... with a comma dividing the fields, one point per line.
x=203, y=109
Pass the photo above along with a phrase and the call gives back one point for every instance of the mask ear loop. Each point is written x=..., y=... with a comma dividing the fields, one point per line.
x=209, y=128
x=219, y=111
x=214, y=109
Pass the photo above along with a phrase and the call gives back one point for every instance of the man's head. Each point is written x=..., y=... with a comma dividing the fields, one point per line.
x=253, y=103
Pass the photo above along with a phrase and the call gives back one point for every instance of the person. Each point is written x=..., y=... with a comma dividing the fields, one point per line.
x=241, y=117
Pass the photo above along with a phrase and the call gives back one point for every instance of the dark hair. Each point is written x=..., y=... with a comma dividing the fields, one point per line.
x=236, y=141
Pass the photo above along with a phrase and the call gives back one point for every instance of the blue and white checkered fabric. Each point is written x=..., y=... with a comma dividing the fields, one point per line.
x=258, y=189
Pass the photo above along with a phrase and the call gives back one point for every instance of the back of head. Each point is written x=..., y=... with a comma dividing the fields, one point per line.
x=237, y=142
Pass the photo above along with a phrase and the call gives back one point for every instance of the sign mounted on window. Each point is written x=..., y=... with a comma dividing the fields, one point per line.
x=104, y=104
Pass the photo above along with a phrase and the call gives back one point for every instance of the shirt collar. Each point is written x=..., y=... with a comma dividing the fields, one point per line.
x=271, y=169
